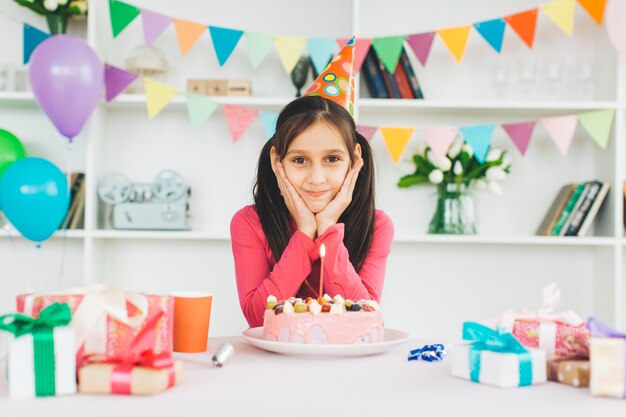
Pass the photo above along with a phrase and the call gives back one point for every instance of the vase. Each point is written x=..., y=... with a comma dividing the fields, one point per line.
x=454, y=213
x=57, y=24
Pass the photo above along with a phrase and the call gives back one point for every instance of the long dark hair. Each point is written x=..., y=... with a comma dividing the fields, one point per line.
x=358, y=217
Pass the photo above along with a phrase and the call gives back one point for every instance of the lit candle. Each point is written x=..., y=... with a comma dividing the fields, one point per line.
x=322, y=255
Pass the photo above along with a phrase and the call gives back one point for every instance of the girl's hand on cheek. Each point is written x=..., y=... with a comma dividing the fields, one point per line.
x=304, y=218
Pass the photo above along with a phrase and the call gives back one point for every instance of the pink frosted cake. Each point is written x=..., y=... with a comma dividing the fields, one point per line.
x=323, y=321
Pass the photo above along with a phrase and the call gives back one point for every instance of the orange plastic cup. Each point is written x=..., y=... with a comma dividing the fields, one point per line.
x=192, y=316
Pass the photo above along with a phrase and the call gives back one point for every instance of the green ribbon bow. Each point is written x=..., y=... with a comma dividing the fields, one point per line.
x=498, y=341
x=42, y=329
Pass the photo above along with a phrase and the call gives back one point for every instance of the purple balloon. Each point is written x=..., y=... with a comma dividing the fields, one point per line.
x=67, y=78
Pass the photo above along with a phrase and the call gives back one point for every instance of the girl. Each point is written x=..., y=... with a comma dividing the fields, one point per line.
x=315, y=184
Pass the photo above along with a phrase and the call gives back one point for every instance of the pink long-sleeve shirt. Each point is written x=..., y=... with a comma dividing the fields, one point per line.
x=259, y=275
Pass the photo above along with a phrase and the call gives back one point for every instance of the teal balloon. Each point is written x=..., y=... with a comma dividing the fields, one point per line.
x=35, y=198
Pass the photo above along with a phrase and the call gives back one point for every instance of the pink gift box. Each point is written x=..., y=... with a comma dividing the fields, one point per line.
x=107, y=320
x=568, y=340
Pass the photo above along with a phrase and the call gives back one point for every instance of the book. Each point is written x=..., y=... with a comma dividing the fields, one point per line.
x=390, y=83
x=76, y=181
x=567, y=210
x=593, y=210
x=553, y=213
x=579, y=215
x=416, y=90
x=399, y=75
x=373, y=77
x=572, y=214
x=78, y=219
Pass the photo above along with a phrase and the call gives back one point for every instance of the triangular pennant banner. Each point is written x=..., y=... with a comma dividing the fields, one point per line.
x=321, y=51
x=238, y=119
x=595, y=8
x=456, y=40
x=153, y=25
x=367, y=131
x=561, y=129
x=389, y=49
x=199, y=109
x=421, y=43
x=32, y=38
x=290, y=49
x=187, y=34
x=525, y=25
x=561, y=12
x=479, y=137
x=121, y=15
x=224, y=41
x=157, y=96
x=520, y=134
x=492, y=31
x=396, y=140
x=259, y=46
x=116, y=80
x=598, y=124
x=360, y=50
x=439, y=138
x=268, y=118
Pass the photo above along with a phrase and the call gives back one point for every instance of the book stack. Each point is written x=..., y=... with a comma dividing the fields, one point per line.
x=383, y=84
x=75, y=218
x=573, y=210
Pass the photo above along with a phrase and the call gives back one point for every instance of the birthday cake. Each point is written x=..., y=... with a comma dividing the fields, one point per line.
x=323, y=321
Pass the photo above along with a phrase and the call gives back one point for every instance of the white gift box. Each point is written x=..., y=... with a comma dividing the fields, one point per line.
x=608, y=367
x=21, y=364
x=499, y=369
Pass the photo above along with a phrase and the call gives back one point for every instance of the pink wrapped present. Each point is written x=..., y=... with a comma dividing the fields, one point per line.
x=562, y=334
x=106, y=320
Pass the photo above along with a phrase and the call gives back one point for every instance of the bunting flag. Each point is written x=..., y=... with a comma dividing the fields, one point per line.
x=259, y=46
x=321, y=51
x=367, y=131
x=456, y=40
x=238, y=119
x=561, y=129
x=439, y=138
x=224, y=42
x=122, y=14
x=187, y=34
x=116, y=80
x=360, y=50
x=199, y=109
x=520, y=134
x=154, y=24
x=32, y=38
x=493, y=32
x=525, y=25
x=595, y=8
x=479, y=137
x=396, y=140
x=268, y=118
x=158, y=95
x=561, y=12
x=289, y=50
x=421, y=43
x=389, y=49
x=598, y=124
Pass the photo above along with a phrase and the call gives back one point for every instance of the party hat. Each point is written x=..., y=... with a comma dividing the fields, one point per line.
x=336, y=82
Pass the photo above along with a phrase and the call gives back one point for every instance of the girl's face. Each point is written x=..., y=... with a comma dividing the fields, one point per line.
x=316, y=163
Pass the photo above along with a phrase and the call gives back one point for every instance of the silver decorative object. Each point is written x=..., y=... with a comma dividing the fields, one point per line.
x=223, y=354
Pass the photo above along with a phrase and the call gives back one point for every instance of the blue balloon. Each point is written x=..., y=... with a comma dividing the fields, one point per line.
x=34, y=197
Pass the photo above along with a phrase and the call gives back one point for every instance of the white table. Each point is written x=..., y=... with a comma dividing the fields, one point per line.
x=259, y=383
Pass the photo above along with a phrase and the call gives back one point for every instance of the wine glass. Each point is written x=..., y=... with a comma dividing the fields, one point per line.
x=299, y=73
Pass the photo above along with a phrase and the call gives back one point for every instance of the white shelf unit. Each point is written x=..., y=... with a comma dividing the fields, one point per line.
x=433, y=282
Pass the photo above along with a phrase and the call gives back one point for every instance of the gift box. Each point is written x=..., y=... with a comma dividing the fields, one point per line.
x=497, y=358
x=574, y=372
x=106, y=320
x=608, y=360
x=131, y=380
x=561, y=334
x=41, y=357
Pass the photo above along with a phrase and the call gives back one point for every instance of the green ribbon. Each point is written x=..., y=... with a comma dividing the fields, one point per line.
x=498, y=341
x=42, y=329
